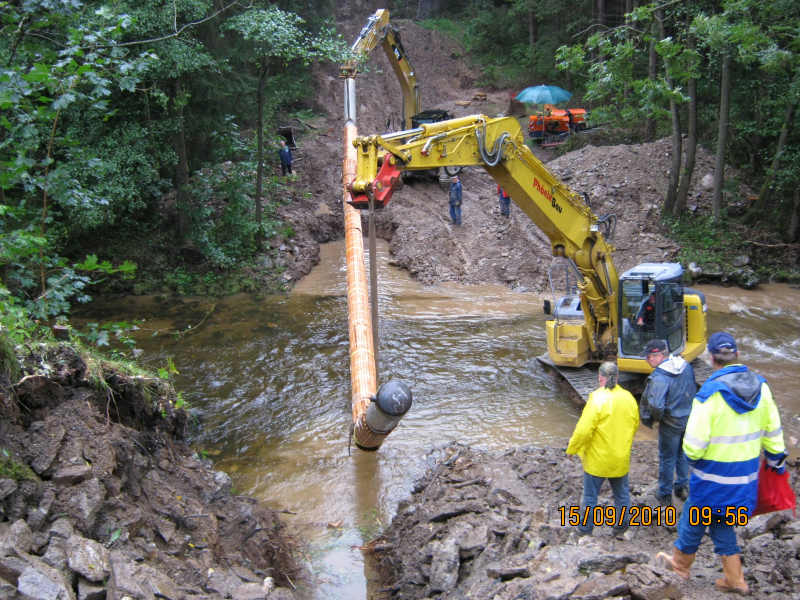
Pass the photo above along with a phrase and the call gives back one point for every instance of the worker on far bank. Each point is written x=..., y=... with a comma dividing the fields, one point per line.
x=505, y=201
x=603, y=438
x=285, y=154
x=667, y=400
x=733, y=417
x=455, y=200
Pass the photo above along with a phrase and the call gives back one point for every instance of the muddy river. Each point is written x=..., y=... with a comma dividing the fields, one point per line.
x=268, y=378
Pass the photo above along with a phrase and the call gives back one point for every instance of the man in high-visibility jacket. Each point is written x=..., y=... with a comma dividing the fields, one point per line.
x=602, y=438
x=733, y=417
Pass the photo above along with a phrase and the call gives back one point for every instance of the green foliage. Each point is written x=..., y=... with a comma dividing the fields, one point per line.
x=100, y=336
x=168, y=371
x=10, y=468
x=702, y=240
x=222, y=224
x=9, y=365
x=454, y=29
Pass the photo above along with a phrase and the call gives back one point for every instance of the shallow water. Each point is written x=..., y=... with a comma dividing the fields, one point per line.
x=270, y=378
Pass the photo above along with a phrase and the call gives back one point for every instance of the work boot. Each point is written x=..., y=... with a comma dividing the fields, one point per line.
x=678, y=562
x=664, y=500
x=733, y=577
x=682, y=493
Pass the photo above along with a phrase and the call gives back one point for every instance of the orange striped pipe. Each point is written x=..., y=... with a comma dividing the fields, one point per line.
x=363, y=372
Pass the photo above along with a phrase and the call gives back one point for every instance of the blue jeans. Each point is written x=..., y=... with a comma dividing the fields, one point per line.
x=689, y=536
x=505, y=205
x=455, y=213
x=591, y=488
x=672, y=462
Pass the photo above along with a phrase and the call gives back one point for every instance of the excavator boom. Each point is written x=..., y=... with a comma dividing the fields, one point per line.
x=497, y=144
x=586, y=327
x=379, y=31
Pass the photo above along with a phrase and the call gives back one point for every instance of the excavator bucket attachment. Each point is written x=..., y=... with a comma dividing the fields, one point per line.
x=388, y=179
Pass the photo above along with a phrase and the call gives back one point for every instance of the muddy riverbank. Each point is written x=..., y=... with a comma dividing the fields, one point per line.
x=101, y=496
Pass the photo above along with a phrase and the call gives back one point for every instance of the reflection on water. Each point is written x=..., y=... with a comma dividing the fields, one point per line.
x=270, y=377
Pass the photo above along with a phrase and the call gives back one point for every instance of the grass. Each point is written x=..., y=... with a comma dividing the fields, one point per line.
x=12, y=469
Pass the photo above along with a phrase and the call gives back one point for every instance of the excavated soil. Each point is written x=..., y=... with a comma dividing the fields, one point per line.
x=628, y=181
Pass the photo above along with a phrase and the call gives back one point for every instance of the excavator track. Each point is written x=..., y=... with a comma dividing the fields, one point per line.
x=581, y=381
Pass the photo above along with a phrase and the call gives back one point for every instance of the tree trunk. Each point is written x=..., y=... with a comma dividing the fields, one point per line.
x=181, y=178
x=691, y=151
x=650, y=122
x=601, y=12
x=532, y=28
x=262, y=77
x=794, y=219
x=427, y=9
x=763, y=195
x=677, y=141
x=722, y=134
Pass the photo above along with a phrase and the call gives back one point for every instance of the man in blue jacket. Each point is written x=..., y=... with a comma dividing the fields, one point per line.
x=667, y=400
x=733, y=418
x=285, y=154
x=455, y=200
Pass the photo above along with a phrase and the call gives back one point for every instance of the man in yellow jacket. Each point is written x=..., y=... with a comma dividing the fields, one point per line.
x=603, y=438
x=733, y=418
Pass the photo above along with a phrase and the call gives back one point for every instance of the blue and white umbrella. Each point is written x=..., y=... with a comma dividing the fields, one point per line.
x=543, y=94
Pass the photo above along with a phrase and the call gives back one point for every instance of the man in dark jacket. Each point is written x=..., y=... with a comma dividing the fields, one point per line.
x=667, y=400
x=455, y=200
x=285, y=154
x=505, y=201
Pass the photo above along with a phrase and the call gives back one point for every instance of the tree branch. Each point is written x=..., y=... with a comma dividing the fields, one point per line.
x=177, y=32
x=763, y=245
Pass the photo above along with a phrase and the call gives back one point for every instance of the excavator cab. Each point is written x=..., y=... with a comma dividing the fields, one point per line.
x=651, y=306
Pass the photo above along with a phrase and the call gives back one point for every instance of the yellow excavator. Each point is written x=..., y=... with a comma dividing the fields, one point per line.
x=378, y=30
x=601, y=314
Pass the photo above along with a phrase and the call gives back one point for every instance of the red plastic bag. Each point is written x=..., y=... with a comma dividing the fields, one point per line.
x=774, y=492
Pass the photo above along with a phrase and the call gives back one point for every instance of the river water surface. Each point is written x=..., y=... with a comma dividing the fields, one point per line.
x=269, y=378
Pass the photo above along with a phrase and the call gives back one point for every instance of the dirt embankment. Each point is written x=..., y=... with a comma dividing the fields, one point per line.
x=101, y=497
x=484, y=525
x=628, y=181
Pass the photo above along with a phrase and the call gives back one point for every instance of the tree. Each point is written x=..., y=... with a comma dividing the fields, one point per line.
x=279, y=43
x=61, y=65
x=734, y=37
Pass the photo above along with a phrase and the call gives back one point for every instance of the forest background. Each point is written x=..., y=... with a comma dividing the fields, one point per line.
x=137, y=140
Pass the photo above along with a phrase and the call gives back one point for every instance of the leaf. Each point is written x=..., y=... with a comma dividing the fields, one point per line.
x=63, y=101
x=115, y=536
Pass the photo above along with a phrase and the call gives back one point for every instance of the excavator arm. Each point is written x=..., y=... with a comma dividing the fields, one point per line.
x=497, y=145
x=379, y=31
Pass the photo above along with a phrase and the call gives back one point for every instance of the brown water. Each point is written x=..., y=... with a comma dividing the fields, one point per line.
x=269, y=377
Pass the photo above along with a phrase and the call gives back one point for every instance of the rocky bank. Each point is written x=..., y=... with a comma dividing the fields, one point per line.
x=484, y=526
x=101, y=496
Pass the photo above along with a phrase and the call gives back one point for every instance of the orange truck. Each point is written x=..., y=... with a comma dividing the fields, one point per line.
x=557, y=123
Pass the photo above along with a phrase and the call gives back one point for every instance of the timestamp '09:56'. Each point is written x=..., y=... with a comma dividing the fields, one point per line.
x=731, y=515
x=635, y=516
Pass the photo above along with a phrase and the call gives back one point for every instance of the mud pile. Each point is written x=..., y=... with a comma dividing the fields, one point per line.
x=628, y=181
x=484, y=525
x=101, y=497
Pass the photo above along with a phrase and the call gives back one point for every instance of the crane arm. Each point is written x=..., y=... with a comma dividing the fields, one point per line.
x=378, y=30
x=497, y=145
